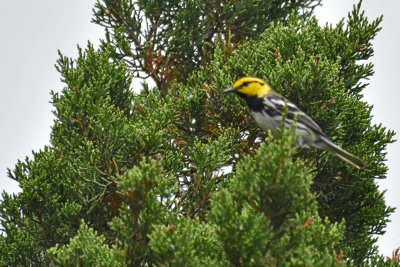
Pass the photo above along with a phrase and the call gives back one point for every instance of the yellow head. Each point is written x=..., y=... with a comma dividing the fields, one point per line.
x=250, y=86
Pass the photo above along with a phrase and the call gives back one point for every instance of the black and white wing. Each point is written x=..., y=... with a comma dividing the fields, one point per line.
x=280, y=102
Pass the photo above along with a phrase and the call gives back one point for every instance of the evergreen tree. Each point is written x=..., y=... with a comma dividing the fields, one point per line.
x=168, y=40
x=180, y=175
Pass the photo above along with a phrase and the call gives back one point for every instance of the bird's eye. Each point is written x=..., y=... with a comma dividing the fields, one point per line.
x=245, y=83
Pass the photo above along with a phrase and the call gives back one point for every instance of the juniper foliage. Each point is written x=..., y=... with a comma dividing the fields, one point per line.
x=184, y=177
x=167, y=40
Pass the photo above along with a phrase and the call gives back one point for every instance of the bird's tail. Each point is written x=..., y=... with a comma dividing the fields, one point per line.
x=344, y=155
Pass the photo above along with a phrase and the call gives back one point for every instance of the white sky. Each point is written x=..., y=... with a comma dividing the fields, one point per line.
x=32, y=31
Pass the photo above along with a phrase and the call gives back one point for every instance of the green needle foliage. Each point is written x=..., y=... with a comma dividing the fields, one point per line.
x=167, y=40
x=183, y=176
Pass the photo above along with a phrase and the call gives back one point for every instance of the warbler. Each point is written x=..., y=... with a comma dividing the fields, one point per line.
x=267, y=107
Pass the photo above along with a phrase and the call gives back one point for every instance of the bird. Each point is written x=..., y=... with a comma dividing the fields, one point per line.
x=267, y=108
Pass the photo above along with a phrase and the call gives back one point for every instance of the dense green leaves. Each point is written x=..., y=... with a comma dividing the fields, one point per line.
x=268, y=216
x=168, y=40
x=86, y=249
x=185, y=177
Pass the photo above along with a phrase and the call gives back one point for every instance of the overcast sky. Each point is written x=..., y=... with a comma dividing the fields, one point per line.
x=32, y=31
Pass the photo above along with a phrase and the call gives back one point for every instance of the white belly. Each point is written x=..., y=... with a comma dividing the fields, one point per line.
x=266, y=123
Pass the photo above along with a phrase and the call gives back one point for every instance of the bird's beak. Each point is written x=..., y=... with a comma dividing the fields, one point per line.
x=230, y=90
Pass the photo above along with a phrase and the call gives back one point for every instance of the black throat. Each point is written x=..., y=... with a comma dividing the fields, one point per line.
x=255, y=103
